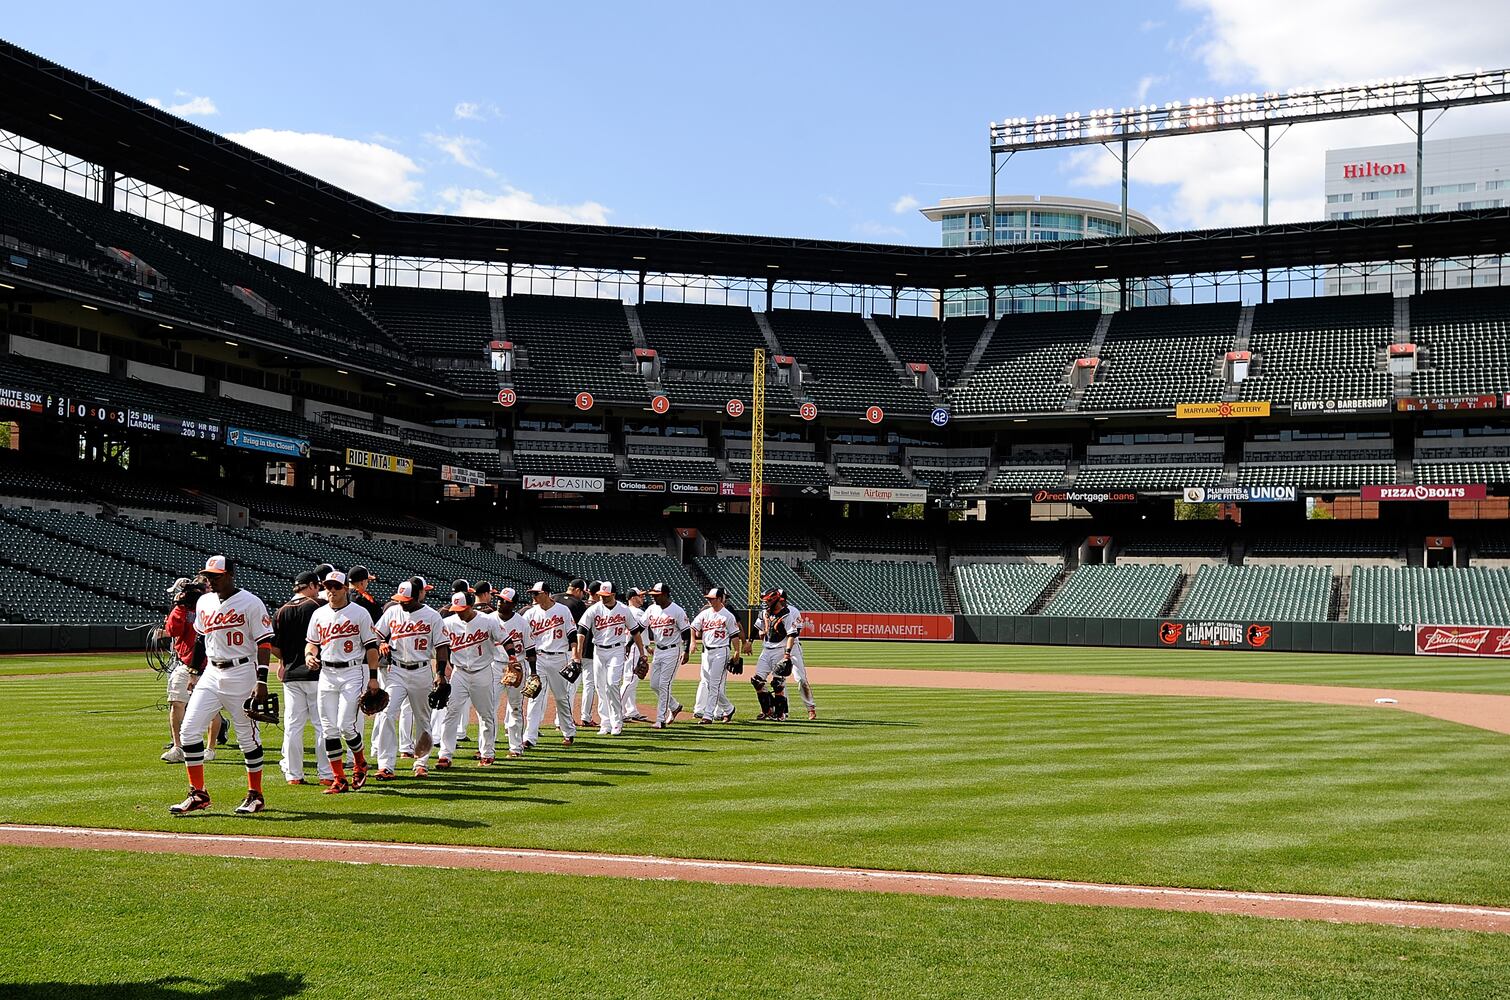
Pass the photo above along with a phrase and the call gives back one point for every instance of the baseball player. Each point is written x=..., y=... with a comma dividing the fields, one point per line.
x=503, y=657
x=579, y=596
x=231, y=657
x=780, y=657
x=472, y=636
x=300, y=684
x=179, y=627
x=406, y=714
x=613, y=627
x=410, y=633
x=548, y=636
x=668, y=629
x=629, y=693
x=718, y=629
x=338, y=643
x=462, y=699
x=359, y=581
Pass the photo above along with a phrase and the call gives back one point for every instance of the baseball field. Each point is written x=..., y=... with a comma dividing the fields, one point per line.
x=1075, y=775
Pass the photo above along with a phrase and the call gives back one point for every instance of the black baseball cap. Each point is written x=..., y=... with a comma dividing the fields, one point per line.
x=308, y=578
x=484, y=588
x=577, y=583
x=460, y=585
x=322, y=569
x=358, y=573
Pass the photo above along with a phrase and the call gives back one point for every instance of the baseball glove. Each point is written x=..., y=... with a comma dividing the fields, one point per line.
x=373, y=701
x=736, y=664
x=262, y=709
x=513, y=674
x=440, y=694
x=784, y=669
x=533, y=686
x=642, y=669
x=572, y=671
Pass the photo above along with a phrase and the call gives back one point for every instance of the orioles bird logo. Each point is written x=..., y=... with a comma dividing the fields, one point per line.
x=1170, y=632
x=1258, y=635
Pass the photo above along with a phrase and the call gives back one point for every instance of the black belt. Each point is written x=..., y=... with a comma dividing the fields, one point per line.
x=617, y=646
x=333, y=664
x=668, y=646
x=411, y=666
x=227, y=664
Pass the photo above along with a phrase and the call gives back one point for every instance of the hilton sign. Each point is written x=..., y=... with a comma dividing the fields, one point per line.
x=1358, y=171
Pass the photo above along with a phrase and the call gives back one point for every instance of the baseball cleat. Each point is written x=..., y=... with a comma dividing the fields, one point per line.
x=407, y=755
x=383, y=774
x=198, y=799
x=604, y=731
x=678, y=710
x=616, y=732
x=515, y=754
x=779, y=718
x=568, y=741
x=336, y=788
x=443, y=763
x=327, y=782
x=358, y=778
x=421, y=771
x=297, y=781
x=251, y=804
x=529, y=744
x=704, y=721
x=730, y=716
x=585, y=723
x=173, y=755
x=812, y=714
x=638, y=717
x=763, y=717
x=484, y=761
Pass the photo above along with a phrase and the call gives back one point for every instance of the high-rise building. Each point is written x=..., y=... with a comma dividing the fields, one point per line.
x=1456, y=175
x=1031, y=218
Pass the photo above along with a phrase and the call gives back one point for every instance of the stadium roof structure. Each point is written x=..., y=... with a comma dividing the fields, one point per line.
x=64, y=109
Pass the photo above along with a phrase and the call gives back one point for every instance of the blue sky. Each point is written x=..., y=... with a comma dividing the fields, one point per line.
x=814, y=119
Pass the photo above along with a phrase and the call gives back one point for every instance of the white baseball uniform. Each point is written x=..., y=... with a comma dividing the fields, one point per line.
x=629, y=691
x=775, y=629
x=343, y=636
x=472, y=644
x=412, y=638
x=513, y=713
x=232, y=629
x=716, y=629
x=548, y=632
x=663, y=630
x=612, y=629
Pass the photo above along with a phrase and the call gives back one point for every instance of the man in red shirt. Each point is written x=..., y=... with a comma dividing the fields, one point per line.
x=179, y=626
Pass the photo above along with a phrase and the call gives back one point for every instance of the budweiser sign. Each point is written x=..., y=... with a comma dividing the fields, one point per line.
x=1423, y=491
x=1463, y=640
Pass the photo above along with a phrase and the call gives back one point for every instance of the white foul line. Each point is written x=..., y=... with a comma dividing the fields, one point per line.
x=1215, y=895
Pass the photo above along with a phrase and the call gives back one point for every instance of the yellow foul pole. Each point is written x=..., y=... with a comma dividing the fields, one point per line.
x=757, y=478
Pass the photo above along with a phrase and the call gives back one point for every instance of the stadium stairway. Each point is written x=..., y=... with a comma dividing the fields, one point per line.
x=1178, y=597
x=822, y=590
x=1053, y=588
x=946, y=582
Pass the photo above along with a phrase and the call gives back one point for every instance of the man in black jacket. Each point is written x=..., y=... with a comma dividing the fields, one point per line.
x=300, y=684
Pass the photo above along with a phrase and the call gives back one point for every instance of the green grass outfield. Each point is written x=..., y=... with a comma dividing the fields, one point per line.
x=125, y=926
x=1420, y=672
x=1182, y=791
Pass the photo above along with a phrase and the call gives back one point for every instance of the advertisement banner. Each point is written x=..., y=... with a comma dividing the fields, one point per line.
x=1463, y=640
x=456, y=474
x=1411, y=404
x=273, y=444
x=1240, y=494
x=642, y=486
x=1248, y=635
x=1339, y=405
x=869, y=494
x=695, y=489
x=382, y=463
x=1423, y=491
x=1084, y=496
x=851, y=625
x=21, y=399
x=565, y=484
x=1207, y=411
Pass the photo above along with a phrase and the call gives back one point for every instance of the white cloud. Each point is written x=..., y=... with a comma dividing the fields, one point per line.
x=186, y=105
x=475, y=111
x=1347, y=41
x=904, y=204
x=1145, y=84
x=462, y=149
x=512, y=203
x=365, y=168
x=877, y=230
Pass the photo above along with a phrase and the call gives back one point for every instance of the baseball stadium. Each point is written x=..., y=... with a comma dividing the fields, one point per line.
x=629, y=612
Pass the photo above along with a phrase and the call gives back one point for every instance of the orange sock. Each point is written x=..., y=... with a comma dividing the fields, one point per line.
x=338, y=766
x=360, y=758
x=254, y=781
x=196, y=776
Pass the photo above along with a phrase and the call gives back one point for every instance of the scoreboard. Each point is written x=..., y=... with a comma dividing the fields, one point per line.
x=94, y=412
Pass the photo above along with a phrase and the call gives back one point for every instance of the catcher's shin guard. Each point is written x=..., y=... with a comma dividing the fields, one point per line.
x=758, y=683
x=779, y=706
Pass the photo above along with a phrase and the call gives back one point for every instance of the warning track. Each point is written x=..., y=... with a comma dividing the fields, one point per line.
x=1276, y=905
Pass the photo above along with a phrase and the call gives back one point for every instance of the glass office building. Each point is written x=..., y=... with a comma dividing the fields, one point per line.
x=1030, y=219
